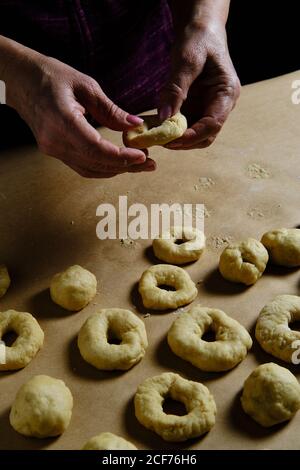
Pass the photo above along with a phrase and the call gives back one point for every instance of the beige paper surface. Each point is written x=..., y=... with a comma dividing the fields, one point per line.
x=48, y=222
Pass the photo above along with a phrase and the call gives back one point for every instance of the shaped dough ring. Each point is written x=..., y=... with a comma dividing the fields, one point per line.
x=283, y=246
x=108, y=441
x=199, y=402
x=271, y=395
x=30, y=338
x=153, y=132
x=272, y=328
x=244, y=261
x=108, y=324
x=229, y=348
x=164, y=275
x=166, y=248
x=4, y=280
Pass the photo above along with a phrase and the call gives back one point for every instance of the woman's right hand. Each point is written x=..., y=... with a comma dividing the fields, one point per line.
x=53, y=99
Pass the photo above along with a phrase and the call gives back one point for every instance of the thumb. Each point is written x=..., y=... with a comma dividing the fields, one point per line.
x=103, y=110
x=184, y=70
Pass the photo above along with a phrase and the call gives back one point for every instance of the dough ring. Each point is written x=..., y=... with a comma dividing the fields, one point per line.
x=108, y=441
x=113, y=323
x=42, y=407
x=199, y=403
x=30, y=338
x=283, y=246
x=4, y=280
x=73, y=288
x=152, y=132
x=271, y=395
x=229, y=348
x=272, y=328
x=165, y=275
x=166, y=248
x=244, y=261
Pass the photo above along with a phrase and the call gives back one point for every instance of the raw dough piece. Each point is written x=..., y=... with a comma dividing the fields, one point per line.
x=93, y=339
x=4, y=280
x=108, y=441
x=283, y=246
x=152, y=132
x=166, y=249
x=73, y=288
x=200, y=407
x=230, y=347
x=42, y=407
x=272, y=328
x=243, y=261
x=30, y=338
x=160, y=299
x=271, y=395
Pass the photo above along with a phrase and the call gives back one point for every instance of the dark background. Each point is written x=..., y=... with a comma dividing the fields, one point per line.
x=264, y=42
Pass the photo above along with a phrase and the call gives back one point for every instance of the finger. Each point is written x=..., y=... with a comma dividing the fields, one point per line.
x=197, y=145
x=149, y=165
x=88, y=173
x=200, y=131
x=187, y=64
x=101, y=108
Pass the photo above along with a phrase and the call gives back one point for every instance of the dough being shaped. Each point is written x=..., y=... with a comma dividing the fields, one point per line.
x=229, y=348
x=166, y=248
x=199, y=403
x=30, y=338
x=121, y=324
x=108, y=441
x=244, y=261
x=157, y=298
x=152, y=132
x=272, y=328
x=4, y=280
x=42, y=407
x=283, y=246
x=73, y=288
x=271, y=395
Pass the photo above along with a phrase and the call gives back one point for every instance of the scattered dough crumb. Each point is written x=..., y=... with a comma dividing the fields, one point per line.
x=255, y=213
x=127, y=242
x=147, y=315
x=255, y=171
x=217, y=243
x=205, y=182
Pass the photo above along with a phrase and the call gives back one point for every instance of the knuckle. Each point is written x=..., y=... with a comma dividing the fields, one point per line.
x=190, y=61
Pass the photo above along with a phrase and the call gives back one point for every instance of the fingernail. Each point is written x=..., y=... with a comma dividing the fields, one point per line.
x=134, y=120
x=165, y=112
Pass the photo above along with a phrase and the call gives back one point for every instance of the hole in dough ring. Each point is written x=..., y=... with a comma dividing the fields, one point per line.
x=152, y=132
x=272, y=328
x=244, y=261
x=232, y=339
x=163, y=274
x=199, y=402
x=271, y=395
x=108, y=441
x=94, y=345
x=30, y=338
x=166, y=249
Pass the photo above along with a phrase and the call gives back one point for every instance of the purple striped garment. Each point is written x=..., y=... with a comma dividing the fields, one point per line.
x=123, y=44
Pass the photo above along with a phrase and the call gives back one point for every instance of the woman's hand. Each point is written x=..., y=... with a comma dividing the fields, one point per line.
x=203, y=81
x=53, y=99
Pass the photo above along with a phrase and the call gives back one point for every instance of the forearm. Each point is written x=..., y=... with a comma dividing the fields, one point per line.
x=199, y=13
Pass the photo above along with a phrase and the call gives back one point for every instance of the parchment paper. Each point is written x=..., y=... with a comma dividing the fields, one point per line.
x=48, y=222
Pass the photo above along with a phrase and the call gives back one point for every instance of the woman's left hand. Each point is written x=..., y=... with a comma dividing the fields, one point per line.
x=203, y=84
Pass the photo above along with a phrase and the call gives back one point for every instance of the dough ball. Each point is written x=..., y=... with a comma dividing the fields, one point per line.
x=153, y=132
x=283, y=246
x=108, y=441
x=73, y=288
x=4, y=280
x=243, y=261
x=42, y=407
x=271, y=395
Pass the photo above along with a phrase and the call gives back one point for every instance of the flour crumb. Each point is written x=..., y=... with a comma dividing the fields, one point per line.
x=216, y=243
x=255, y=213
x=147, y=315
x=127, y=242
x=204, y=183
x=255, y=171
